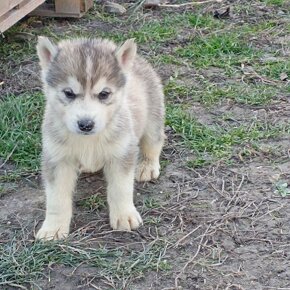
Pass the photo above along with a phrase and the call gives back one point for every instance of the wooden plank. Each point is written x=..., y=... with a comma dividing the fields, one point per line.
x=67, y=6
x=14, y=15
x=48, y=10
x=6, y=5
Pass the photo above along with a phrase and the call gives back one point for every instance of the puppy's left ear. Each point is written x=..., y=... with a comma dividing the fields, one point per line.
x=126, y=54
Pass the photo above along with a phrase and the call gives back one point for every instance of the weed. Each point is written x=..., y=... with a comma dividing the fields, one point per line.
x=282, y=188
x=220, y=50
x=151, y=202
x=211, y=143
x=23, y=263
x=274, y=2
x=20, y=122
x=94, y=202
x=209, y=93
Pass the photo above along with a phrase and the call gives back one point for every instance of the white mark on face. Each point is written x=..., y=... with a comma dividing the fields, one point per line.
x=89, y=71
x=74, y=84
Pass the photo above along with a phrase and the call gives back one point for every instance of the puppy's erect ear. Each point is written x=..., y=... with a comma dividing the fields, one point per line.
x=126, y=54
x=46, y=50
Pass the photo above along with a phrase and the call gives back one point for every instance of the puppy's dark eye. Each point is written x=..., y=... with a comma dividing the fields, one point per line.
x=69, y=93
x=103, y=95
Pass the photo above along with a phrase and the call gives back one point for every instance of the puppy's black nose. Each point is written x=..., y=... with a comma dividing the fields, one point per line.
x=86, y=125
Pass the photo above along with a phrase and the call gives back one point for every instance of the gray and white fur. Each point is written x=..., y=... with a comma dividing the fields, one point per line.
x=104, y=110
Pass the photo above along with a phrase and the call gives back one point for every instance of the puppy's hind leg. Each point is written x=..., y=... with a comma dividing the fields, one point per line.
x=59, y=185
x=151, y=146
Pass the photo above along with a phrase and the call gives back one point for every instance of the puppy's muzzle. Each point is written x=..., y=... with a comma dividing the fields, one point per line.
x=86, y=125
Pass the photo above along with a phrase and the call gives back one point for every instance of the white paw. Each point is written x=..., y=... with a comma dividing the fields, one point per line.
x=147, y=170
x=125, y=220
x=52, y=232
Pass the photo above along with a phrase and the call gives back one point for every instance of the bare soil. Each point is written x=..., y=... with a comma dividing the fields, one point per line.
x=224, y=226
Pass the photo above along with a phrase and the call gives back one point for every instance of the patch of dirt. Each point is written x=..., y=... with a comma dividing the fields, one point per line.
x=224, y=226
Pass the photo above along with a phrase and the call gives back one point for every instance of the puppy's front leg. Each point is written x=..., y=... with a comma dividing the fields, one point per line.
x=120, y=179
x=59, y=185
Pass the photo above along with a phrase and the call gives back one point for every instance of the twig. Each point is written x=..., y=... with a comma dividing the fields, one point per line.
x=184, y=237
x=236, y=286
x=188, y=3
x=8, y=157
x=200, y=244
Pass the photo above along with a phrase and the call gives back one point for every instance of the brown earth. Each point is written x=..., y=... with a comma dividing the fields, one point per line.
x=223, y=226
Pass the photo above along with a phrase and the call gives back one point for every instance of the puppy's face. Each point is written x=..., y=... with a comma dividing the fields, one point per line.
x=85, y=81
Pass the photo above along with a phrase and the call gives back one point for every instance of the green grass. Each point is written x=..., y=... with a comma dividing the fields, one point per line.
x=274, y=2
x=22, y=263
x=220, y=50
x=209, y=93
x=94, y=202
x=273, y=70
x=212, y=143
x=151, y=202
x=200, y=21
x=16, y=52
x=20, y=122
x=154, y=32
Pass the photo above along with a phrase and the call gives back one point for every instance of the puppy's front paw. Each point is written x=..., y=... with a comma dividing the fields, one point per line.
x=147, y=170
x=125, y=220
x=52, y=232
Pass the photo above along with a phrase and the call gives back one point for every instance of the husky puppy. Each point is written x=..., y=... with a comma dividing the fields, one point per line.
x=103, y=104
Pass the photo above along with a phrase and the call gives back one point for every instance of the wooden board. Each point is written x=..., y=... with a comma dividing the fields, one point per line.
x=6, y=5
x=64, y=8
x=12, y=11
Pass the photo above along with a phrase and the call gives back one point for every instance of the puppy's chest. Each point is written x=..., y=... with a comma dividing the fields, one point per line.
x=90, y=156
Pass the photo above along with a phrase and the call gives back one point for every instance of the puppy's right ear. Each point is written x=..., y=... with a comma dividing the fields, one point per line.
x=46, y=50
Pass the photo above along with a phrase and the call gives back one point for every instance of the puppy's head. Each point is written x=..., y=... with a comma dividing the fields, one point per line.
x=85, y=80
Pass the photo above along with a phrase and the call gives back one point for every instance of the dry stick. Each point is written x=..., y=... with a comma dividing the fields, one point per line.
x=16, y=285
x=8, y=157
x=184, y=237
x=188, y=3
x=194, y=256
x=236, y=286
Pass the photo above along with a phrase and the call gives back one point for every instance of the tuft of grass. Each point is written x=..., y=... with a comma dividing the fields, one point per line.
x=220, y=50
x=203, y=21
x=20, y=123
x=94, y=202
x=209, y=93
x=154, y=32
x=214, y=143
x=274, y=69
x=282, y=188
x=21, y=264
x=151, y=202
x=274, y=2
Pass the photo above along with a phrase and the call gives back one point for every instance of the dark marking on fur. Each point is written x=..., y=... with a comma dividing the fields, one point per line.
x=102, y=56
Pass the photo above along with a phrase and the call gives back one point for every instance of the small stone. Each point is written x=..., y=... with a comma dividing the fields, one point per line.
x=114, y=8
x=36, y=24
x=23, y=36
x=283, y=77
x=151, y=3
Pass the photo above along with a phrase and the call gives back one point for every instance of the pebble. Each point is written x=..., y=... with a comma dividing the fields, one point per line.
x=114, y=8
